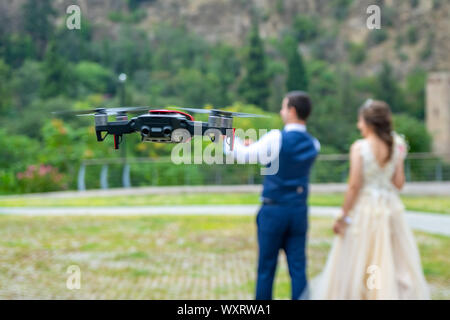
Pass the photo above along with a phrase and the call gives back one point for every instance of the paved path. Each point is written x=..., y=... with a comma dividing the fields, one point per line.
x=411, y=188
x=432, y=223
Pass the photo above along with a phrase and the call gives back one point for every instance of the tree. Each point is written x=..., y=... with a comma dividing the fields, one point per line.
x=26, y=83
x=37, y=16
x=297, y=78
x=76, y=45
x=388, y=90
x=255, y=85
x=17, y=48
x=415, y=87
x=5, y=92
x=417, y=136
x=58, y=77
x=94, y=78
x=305, y=28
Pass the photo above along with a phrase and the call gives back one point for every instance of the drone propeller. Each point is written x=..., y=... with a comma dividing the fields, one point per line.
x=225, y=113
x=107, y=111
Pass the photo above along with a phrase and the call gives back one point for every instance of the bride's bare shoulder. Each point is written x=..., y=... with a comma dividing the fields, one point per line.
x=356, y=146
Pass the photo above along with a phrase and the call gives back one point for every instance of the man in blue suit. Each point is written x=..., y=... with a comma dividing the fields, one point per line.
x=282, y=220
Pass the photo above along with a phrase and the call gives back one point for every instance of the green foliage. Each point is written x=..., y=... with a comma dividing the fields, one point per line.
x=388, y=16
x=414, y=3
x=136, y=16
x=437, y=4
x=37, y=22
x=94, y=77
x=175, y=48
x=34, y=116
x=17, y=48
x=377, y=37
x=402, y=56
x=17, y=151
x=5, y=91
x=324, y=48
x=357, y=53
x=427, y=50
x=273, y=121
x=129, y=53
x=8, y=182
x=415, y=93
x=399, y=41
x=75, y=45
x=197, y=89
x=415, y=132
x=305, y=28
x=412, y=35
x=26, y=83
x=58, y=74
x=41, y=178
x=134, y=4
x=341, y=8
x=255, y=86
x=388, y=90
x=333, y=106
x=279, y=5
x=296, y=77
x=63, y=145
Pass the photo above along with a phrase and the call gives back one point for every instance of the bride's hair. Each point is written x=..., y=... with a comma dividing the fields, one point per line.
x=378, y=116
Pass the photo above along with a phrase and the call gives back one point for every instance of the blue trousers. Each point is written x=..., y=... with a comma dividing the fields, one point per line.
x=281, y=227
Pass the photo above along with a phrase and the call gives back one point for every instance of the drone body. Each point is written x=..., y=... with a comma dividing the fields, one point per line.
x=162, y=125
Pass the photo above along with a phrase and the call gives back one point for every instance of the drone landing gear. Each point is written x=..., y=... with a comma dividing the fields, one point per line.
x=118, y=138
x=230, y=139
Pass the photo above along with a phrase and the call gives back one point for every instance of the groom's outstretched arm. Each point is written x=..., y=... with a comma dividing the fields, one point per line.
x=263, y=151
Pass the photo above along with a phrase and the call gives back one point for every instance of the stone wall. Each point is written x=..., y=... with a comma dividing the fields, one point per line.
x=438, y=111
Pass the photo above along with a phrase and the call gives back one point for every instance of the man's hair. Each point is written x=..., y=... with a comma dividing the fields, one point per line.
x=301, y=102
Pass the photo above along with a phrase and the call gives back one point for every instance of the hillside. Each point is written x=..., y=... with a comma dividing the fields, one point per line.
x=415, y=33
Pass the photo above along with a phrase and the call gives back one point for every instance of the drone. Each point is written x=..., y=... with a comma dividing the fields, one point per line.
x=162, y=125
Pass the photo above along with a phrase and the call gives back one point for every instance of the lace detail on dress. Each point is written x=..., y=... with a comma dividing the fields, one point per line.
x=376, y=176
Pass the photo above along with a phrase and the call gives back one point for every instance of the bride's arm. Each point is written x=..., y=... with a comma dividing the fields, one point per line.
x=399, y=154
x=398, y=178
x=355, y=179
x=354, y=185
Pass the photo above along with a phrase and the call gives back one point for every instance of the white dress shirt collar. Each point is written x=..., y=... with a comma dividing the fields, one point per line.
x=295, y=127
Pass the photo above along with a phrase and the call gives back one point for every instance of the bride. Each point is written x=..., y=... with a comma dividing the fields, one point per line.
x=374, y=255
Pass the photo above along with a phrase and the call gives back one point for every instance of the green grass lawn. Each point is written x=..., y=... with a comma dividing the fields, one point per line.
x=161, y=257
x=436, y=204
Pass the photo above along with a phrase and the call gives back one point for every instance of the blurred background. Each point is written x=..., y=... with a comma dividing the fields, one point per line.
x=241, y=55
x=235, y=54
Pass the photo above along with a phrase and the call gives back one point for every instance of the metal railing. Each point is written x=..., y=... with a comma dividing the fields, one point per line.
x=331, y=168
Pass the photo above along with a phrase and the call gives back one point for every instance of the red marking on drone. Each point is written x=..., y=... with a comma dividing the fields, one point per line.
x=232, y=140
x=173, y=111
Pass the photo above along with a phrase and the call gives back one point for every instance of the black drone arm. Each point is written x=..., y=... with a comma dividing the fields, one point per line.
x=117, y=129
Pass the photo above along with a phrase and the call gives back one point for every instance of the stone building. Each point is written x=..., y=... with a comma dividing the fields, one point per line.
x=438, y=111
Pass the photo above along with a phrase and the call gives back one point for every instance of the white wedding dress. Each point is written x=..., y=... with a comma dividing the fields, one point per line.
x=377, y=257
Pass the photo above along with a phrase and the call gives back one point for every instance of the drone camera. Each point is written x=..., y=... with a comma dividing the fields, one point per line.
x=145, y=131
x=167, y=131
